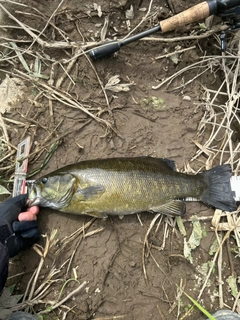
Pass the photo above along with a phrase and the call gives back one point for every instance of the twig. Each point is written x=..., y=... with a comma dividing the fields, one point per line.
x=22, y=124
x=43, y=17
x=11, y=153
x=230, y=256
x=65, y=98
x=145, y=243
x=162, y=317
x=236, y=301
x=190, y=81
x=175, y=52
x=143, y=19
x=43, y=253
x=70, y=295
x=112, y=318
x=10, y=146
x=169, y=79
x=65, y=241
x=53, y=45
x=73, y=254
x=4, y=129
x=213, y=263
x=100, y=82
x=220, y=281
x=68, y=69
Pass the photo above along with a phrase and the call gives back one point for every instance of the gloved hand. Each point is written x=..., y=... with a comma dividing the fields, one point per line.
x=16, y=235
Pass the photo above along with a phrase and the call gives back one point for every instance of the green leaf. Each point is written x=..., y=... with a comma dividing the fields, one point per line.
x=3, y=190
x=20, y=56
x=11, y=288
x=202, y=26
x=7, y=300
x=232, y=282
x=204, y=311
x=214, y=247
x=181, y=226
x=194, y=240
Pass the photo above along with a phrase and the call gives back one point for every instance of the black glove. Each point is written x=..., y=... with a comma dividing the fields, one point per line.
x=16, y=235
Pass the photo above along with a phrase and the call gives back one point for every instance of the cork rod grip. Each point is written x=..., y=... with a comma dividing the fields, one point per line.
x=193, y=14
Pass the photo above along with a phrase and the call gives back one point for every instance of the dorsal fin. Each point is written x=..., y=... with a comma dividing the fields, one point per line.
x=163, y=162
x=170, y=163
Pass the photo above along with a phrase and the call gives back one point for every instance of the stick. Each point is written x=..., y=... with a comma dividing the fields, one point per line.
x=175, y=52
x=5, y=131
x=54, y=45
x=71, y=294
x=212, y=265
x=144, y=18
x=66, y=98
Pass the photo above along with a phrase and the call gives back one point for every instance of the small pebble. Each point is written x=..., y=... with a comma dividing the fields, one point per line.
x=132, y=264
x=187, y=98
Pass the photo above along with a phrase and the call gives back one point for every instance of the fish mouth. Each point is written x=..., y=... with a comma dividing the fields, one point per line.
x=34, y=198
x=34, y=202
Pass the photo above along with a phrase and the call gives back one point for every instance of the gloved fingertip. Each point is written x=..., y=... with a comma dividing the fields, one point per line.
x=20, y=200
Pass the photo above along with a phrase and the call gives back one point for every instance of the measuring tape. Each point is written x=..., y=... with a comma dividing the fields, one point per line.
x=235, y=186
x=20, y=184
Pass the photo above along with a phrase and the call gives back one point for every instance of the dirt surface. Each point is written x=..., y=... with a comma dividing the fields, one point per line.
x=145, y=122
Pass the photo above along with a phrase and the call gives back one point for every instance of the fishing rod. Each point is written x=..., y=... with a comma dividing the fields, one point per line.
x=228, y=10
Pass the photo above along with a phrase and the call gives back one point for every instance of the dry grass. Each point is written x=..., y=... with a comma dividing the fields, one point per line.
x=39, y=286
x=217, y=143
x=215, y=140
x=47, y=86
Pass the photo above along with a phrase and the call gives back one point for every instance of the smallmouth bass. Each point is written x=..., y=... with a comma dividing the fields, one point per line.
x=122, y=186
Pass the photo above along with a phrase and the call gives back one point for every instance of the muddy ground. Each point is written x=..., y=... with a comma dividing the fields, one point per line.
x=145, y=122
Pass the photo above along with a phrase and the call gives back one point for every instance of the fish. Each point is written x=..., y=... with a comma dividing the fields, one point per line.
x=124, y=186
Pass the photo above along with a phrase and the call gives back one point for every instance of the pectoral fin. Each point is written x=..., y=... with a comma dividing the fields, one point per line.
x=90, y=192
x=172, y=208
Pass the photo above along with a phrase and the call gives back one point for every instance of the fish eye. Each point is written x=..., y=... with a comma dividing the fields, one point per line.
x=44, y=180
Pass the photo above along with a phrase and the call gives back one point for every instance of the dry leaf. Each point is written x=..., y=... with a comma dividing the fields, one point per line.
x=98, y=8
x=10, y=89
x=175, y=58
x=194, y=240
x=104, y=28
x=115, y=85
x=130, y=13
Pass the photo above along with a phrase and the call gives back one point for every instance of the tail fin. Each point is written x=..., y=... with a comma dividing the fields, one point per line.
x=219, y=193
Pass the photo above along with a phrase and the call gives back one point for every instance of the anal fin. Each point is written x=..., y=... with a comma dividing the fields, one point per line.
x=172, y=208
